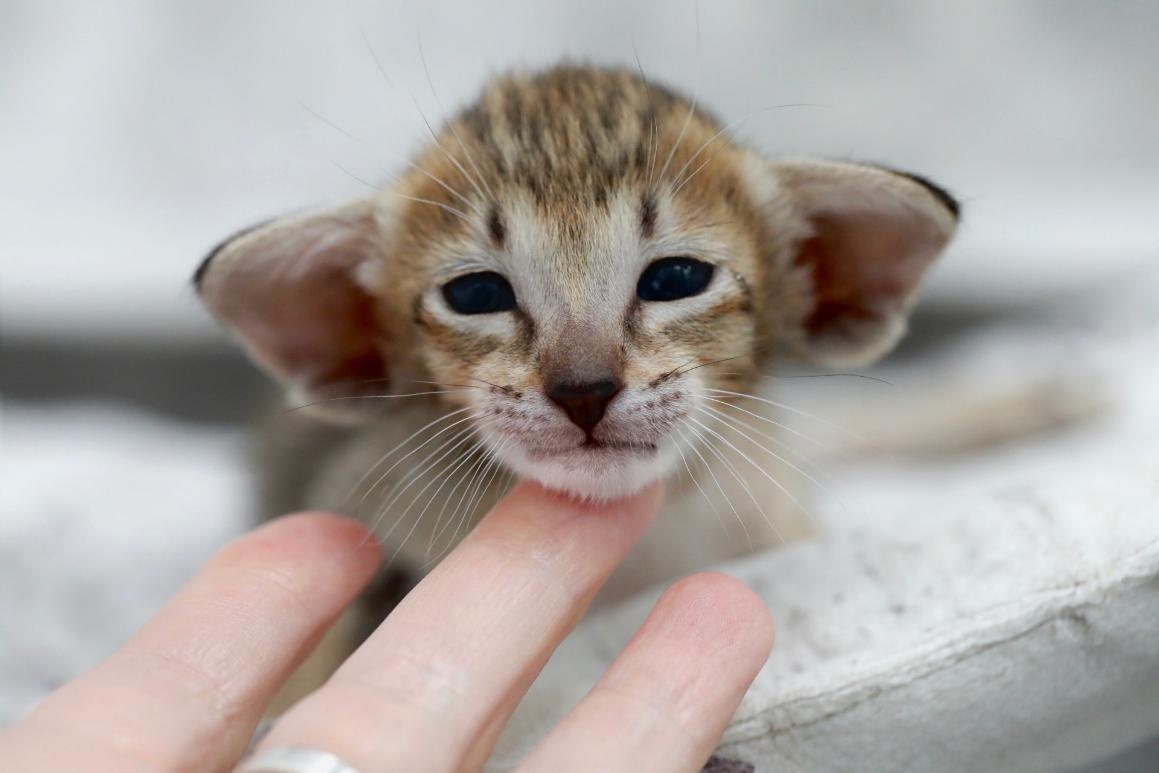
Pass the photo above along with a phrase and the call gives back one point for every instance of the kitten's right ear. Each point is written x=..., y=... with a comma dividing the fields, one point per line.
x=294, y=292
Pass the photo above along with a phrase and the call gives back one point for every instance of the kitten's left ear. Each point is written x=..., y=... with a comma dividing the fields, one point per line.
x=868, y=236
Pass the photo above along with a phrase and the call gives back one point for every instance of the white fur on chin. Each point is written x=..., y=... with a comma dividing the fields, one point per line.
x=595, y=476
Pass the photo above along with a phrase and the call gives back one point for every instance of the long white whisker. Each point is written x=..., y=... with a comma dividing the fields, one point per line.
x=732, y=125
x=376, y=397
x=445, y=152
x=477, y=491
x=444, y=476
x=418, y=470
x=653, y=131
x=695, y=482
x=719, y=487
x=430, y=130
x=394, y=450
x=454, y=131
x=691, y=105
x=728, y=465
x=820, y=420
x=459, y=440
x=791, y=430
x=439, y=527
x=474, y=207
x=418, y=448
x=407, y=162
x=784, y=490
x=732, y=424
x=696, y=171
x=470, y=501
x=445, y=207
x=788, y=447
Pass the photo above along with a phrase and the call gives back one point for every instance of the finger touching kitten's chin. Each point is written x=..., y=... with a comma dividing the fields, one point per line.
x=594, y=475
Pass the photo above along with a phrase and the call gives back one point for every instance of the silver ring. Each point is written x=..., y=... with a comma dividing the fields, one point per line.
x=293, y=759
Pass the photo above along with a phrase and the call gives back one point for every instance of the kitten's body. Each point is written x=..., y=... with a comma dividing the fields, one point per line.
x=583, y=208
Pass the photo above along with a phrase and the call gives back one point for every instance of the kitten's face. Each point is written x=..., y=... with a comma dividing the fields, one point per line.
x=587, y=279
x=588, y=348
x=579, y=261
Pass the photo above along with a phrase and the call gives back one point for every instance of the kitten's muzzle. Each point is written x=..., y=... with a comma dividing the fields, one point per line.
x=585, y=404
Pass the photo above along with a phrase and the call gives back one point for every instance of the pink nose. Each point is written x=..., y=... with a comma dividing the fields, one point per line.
x=584, y=404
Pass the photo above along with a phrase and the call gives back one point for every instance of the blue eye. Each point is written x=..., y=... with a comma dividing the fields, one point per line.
x=482, y=293
x=671, y=279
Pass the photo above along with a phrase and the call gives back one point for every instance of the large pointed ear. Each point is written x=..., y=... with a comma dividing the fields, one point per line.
x=869, y=235
x=294, y=292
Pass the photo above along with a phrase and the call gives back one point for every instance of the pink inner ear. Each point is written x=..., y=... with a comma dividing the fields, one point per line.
x=864, y=266
x=317, y=330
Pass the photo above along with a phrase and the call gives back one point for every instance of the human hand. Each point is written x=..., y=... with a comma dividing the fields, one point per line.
x=432, y=688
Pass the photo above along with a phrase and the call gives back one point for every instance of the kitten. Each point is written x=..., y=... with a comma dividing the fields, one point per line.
x=582, y=274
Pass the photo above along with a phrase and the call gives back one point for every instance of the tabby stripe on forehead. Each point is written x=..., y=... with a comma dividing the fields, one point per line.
x=648, y=216
x=496, y=228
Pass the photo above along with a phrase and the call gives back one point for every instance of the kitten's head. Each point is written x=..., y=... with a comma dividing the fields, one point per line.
x=579, y=260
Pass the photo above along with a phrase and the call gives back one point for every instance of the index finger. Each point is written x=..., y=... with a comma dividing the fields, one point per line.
x=432, y=688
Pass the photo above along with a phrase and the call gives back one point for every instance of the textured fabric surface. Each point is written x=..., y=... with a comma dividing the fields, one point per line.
x=1015, y=632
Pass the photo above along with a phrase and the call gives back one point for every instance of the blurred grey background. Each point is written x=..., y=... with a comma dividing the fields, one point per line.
x=136, y=134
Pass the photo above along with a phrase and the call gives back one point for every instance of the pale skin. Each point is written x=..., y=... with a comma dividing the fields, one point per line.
x=434, y=685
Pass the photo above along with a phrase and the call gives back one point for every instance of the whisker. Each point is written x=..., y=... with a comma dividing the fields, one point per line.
x=420, y=169
x=712, y=362
x=454, y=130
x=719, y=487
x=377, y=61
x=695, y=97
x=791, y=430
x=454, y=161
x=430, y=130
x=356, y=178
x=865, y=376
x=398, y=446
x=490, y=470
x=370, y=397
x=695, y=482
x=728, y=465
x=470, y=501
x=820, y=420
x=692, y=176
x=462, y=437
x=736, y=426
x=440, y=384
x=444, y=476
x=445, y=207
x=332, y=125
x=436, y=531
x=783, y=489
x=488, y=383
x=734, y=125
x=426, y=442
x=653, y=131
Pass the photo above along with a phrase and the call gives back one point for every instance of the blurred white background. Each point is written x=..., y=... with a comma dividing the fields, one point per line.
x=136, y=134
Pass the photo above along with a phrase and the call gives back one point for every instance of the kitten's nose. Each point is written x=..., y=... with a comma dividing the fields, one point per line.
x=584, y=404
